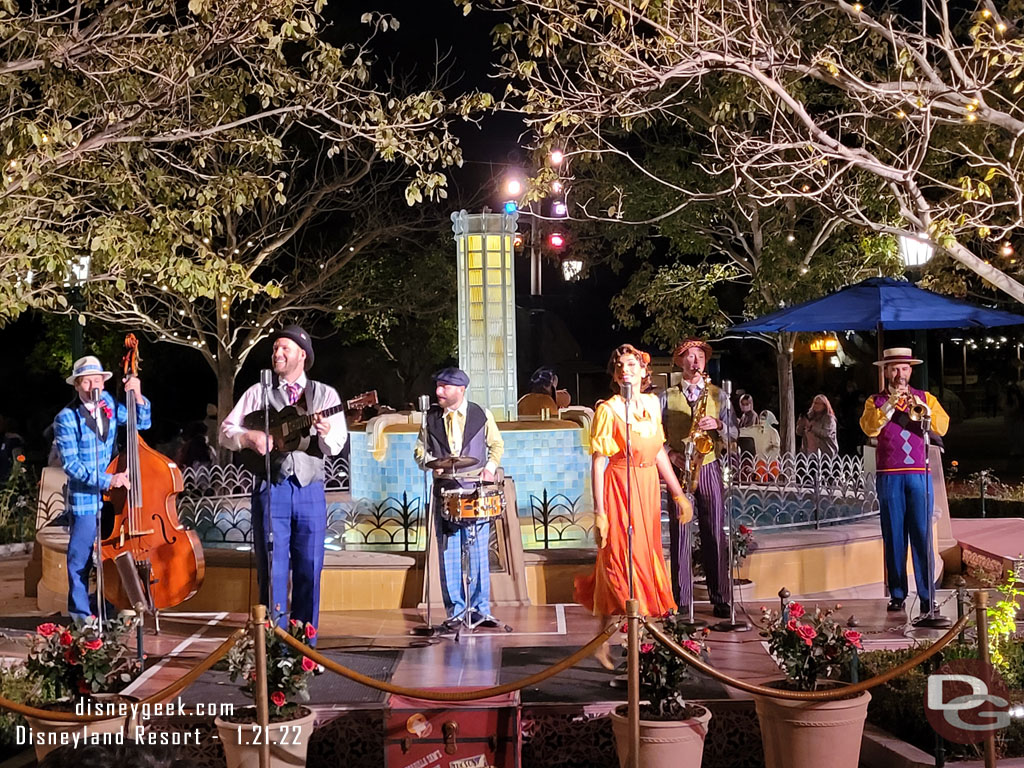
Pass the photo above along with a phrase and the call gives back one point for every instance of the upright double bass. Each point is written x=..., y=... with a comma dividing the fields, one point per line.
x=150, y=560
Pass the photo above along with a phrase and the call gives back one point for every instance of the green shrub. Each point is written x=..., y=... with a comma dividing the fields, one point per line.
x=898, y=706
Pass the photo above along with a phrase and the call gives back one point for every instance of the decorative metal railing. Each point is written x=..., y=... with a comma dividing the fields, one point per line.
x=798, y=490
x=792, y=490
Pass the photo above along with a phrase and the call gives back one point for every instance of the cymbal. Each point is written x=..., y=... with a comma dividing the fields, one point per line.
x=451, y=463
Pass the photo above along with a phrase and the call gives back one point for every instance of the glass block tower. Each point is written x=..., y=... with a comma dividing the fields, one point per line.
x=487, y=309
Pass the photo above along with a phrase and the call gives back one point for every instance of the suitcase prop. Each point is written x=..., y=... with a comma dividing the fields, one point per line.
x=453, y=734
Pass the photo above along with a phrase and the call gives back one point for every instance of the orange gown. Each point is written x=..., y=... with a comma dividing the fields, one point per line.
x=605, y=591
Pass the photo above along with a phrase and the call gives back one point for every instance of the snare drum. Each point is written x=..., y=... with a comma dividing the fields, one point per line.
x=471, y=505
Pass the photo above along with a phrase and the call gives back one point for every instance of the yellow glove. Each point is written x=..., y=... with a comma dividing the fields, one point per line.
x=601, y=530
x=684, y=507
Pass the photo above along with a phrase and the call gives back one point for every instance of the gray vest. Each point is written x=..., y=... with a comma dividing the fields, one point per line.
x=306, y=463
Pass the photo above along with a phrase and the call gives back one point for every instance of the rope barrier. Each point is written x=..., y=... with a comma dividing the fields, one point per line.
x=161, y=695
x=840, y=693
x=429, y=695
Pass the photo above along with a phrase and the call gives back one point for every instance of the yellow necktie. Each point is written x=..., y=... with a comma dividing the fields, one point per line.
x=453, y=430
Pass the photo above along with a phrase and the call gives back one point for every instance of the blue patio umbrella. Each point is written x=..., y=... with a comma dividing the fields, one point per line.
x=880, y=304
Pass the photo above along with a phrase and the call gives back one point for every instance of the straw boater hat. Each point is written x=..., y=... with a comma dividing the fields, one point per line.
x=86, y=366
x=898, y=355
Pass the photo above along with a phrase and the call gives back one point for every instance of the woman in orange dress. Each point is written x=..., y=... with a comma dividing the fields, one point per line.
x=605, y=591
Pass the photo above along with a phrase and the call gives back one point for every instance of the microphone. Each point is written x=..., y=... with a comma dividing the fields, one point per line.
x=96, y=395
x=266, y=378
x=424, y=403
x=627, y=391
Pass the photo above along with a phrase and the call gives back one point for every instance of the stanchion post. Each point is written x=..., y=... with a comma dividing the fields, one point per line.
x=981, y=608
x=259, y=628
x=633, y=679
x=961, y=605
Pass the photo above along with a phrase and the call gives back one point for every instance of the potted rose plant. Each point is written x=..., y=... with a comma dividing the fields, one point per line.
x=672, y=730
x=68, y=665
x=288, y=676
x=812, y=649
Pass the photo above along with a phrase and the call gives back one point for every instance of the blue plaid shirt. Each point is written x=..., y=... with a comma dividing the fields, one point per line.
x=77, y=444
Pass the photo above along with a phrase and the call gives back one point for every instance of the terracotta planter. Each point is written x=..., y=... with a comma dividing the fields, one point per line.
x=58, y=732
x=670, y=744
x=810, y=734
x=289, y=741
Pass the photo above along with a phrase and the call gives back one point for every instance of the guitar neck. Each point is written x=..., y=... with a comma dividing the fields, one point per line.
x=302, y=422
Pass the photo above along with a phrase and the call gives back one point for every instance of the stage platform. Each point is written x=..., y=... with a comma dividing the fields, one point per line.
x=564, y=720
x=992, y=546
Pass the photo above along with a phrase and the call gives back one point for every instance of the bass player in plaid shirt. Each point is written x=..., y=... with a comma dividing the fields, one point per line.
x=86, y=438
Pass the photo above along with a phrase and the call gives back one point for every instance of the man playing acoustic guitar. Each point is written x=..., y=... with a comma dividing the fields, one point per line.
x=297, y=514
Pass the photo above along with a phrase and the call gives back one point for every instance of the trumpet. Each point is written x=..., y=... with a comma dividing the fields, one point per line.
x=916, y=409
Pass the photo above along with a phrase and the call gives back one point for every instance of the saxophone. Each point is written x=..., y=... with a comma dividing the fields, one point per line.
x=698, y=442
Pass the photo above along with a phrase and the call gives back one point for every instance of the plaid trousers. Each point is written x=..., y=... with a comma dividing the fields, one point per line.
x=477, y=536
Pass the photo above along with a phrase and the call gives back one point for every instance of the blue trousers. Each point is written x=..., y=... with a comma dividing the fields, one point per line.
x=298, y=521
x=477, y=536
x=902, y=499
x=80, y=549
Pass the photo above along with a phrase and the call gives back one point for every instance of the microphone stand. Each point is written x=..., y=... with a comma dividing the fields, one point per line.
x=101, y=608
x=428, y=630
x=627, y=396
x=731, y=625
x=932, y=619
x=266, y=382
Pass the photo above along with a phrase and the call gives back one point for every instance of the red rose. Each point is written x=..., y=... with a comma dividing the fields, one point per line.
x=807, y=633
x=83, y=687
x=66, y=639
x=277, y=699
x=308, y=665
x=744, y=530
x=796, y=610
x=106, y=409
x=692, y=646
x=791, y=625
x=853, y=638
x=294, y=622
x=646, y=647
x=94, y=645
x=47, y=630
x=69, y=657
x=310, y=631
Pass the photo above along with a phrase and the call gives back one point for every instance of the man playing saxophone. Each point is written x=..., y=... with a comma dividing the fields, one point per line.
x=896, y=417
x=700, y=439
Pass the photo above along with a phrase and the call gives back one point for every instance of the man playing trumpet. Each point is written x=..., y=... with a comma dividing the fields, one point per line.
x=896, y=417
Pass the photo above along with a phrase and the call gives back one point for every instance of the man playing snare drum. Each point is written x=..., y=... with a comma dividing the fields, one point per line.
x=457, y=427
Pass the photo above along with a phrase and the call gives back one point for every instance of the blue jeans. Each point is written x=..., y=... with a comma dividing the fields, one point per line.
x=82, y=538
x=902, y=498
x=298, y=520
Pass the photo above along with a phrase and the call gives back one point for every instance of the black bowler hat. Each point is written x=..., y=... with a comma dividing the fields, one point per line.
x=454, y=376
x=300, y=337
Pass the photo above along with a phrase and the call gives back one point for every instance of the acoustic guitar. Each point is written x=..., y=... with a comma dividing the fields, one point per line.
x=289, y=429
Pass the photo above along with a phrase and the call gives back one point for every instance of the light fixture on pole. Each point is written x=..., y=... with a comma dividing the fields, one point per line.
x=79, y=275
x=915, y=251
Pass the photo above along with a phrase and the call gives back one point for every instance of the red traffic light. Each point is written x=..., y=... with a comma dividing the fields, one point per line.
x=556, y=240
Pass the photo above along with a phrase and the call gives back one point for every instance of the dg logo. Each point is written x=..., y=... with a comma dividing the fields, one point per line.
x=966, y=700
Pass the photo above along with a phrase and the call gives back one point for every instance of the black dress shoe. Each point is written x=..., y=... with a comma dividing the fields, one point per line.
x=896, y=604
x=722, y=611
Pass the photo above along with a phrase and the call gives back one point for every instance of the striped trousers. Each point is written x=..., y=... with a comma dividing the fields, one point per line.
x=709, y=508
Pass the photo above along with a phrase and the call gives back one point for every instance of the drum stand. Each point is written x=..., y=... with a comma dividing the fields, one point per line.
x=465, y=618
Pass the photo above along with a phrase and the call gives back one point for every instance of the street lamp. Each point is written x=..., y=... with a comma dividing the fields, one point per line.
x=79, y=275
x=915, y=251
